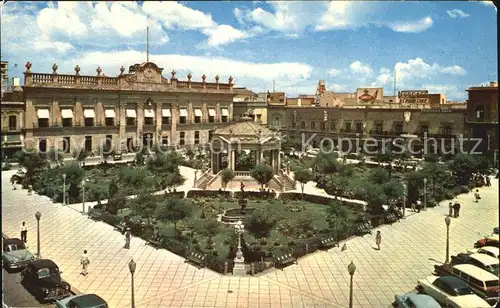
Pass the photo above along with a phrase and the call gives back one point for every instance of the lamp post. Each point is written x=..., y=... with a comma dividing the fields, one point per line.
x=425, y=194
x=83, y=196
x=239, y=268
x=131, y=267
x=351, y=268
x=405, y=188
x=64, y=189
x=447, y=220
x=38, y=215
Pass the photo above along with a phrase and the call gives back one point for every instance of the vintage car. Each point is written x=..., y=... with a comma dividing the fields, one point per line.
x=488, y=263
x=481, y=282
x=82, y=301
x=488, y=250
x=15, y=254
x=489, y=240
x=413, y=300
x=496, y=230
x=43, y=279
x=450, y=291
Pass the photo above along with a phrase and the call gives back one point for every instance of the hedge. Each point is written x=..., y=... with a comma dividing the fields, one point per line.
x=208, y=194
x=264, y=195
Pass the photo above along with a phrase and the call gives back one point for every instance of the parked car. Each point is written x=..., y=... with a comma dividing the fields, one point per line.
x=450, y=291
x=15, y=254
x=480, y=260
x=483, y=283
x=488, y=250
x=490, y=240
x=496, y=230
x=413, y=300
x=82, y=301
x=43, y=279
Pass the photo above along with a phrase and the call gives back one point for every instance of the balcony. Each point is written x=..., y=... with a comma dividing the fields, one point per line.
x=76, y=129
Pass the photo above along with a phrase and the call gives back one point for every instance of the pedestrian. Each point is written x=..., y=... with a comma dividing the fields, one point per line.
x=84, y=261
x=412, y=205
x=419, y=205
x=457, y=211
x=378, y=240
x=450, y=212
x=477, y=196
x=242, y=186
x=488, y=182
x=127, y=239
x=24, y=232
x=455, y=207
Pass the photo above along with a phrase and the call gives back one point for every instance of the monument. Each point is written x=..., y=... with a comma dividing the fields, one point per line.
x=239, y=268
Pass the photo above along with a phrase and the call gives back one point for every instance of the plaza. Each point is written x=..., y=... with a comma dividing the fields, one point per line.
x=410, y=248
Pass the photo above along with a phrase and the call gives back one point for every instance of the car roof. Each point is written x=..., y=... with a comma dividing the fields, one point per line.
x=492, y=249
x=423, y=300
x=483, y=258
x=88, y=300
x=476, y=272
x=12, y=241
x=452, y=281
x=42, y=263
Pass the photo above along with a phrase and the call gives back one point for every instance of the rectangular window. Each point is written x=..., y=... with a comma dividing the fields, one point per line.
x=149, y=115
x=196, y=137
x=42, y=146
x=210, y=135
x=164, y=140
x=130, y=121
x=165, y=120
x=378, y=128
x=480, y=112
x=424, y=129
x=12, y=122
x=88, y=143
x=323, y=126
x=197, y=115
x=399, y=128
x=359, y=127
x=66, y=144
x=110, y=116
x=211, y=115
x=181, y=138
x=183, y=116
x=447, y=130
x=332, y=127
x=293, y=124
x=148, y=121
x=302, y=124
x=43, y=122
x=68, y=122
x=313, y=125
x=130, y=144
x=165, y=117
x=348, y=127
x=225, y=115
x=110, y=121
x=130, y=117
x=89, y=122
x=109, y=142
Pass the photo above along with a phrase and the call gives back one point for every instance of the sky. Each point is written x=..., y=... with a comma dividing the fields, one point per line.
x=444, y=47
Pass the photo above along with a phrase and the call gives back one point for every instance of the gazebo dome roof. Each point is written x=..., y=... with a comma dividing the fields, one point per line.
x=245, y=128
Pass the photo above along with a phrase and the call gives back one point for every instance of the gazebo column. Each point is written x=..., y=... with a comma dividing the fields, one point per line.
x=230, y=161
x=278, y=160
x=271, y=158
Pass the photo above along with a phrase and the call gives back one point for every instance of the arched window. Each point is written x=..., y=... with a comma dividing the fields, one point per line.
x=12, y=122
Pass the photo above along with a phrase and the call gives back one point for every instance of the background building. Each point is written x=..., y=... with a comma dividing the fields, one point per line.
x=12, y=107
x=249, y=104
x=139, y=106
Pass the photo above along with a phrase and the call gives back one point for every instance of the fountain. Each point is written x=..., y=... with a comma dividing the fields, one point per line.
x=232, y=216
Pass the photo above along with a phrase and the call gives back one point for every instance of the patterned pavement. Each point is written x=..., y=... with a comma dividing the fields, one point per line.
x=409, y=250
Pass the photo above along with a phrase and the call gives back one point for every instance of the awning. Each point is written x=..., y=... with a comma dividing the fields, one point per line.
x=225, y=112
x=110, y=113
x=89, y=113
x=166, y=113
x=211, y=112
x=67, y=114
x=149, y=113
x=183, y=112
x=197, y=112
x=131, y=113
x=43, y=113
x=13, y=138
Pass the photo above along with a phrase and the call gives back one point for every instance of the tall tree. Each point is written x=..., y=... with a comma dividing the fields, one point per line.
x=261, y=222
x=303, y=176
x=227, y=175
x=174, y=210
x=340, y=217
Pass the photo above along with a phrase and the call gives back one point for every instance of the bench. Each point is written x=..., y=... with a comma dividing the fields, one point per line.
x=328, y=242
x=155, y=242
x=364, y=228
x=390, y=218
x=120, y=228
x=284, y=259
x=196, y=258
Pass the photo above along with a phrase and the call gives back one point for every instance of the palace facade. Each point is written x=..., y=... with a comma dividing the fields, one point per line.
x=71, y=111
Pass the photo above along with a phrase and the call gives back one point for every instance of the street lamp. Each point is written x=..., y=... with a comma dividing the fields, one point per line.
x=447, y=220
x=131, y=267
x=405, y=188
x=83, y=196
x=425, y=194
x=38, y=215
x=351, y=268
x=64, y=189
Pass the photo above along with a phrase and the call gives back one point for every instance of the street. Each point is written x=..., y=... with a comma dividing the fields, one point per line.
x=15, y=295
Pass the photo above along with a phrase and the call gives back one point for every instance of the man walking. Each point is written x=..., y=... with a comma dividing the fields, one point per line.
x=84, y=261
x=419, y=205
x=127, y=239
x=24, y=232
x=477, y=196
x=378, y=240
x=450, y=212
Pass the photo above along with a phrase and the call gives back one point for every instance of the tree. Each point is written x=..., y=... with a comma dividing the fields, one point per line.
x=303, y=176
x=431, y=158
x=33, y=163
x=337, y=185
x=373, y=194
x=80, y=155
x=141, y=156
x=174, y=210
x=340, y=217
x=208, y=228
x=165, y=167
x=463, y=165
x=438, y=175
x=97, y=191
x=54, y=156
x=393, y=190
x=261, y=222
x=190, y=153
x=378, y=176
x=326, y=163
x=262, y=174
x=227, y=175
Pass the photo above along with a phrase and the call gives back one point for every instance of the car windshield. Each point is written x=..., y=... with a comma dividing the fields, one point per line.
x=493, y=268
x=46, y=272
x=13, y=247
x=464, y=291
x=492, y=283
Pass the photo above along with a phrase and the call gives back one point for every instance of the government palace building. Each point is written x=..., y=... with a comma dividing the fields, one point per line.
x=142, y=106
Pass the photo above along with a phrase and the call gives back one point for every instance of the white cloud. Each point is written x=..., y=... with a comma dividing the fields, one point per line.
x=360, y=68
x=488, y=3
x=412, y=26
x=453, y=70
x=175, y=15
x=418, y=69
x=456, y=13
x=452, y=92
x=56, y=47
x=333, y=72
x=223, y=34
x=344, y=14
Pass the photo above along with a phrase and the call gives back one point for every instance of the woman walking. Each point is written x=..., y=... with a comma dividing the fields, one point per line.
x=378, y=240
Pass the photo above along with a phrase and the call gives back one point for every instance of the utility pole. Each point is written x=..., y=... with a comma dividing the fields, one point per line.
x=394, y=82
x=147, y=44
x=274, y=86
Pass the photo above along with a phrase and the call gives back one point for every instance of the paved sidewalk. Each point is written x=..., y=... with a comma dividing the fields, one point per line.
x=409, y=249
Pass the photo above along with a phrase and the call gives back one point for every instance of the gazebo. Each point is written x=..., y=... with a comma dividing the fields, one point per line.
x=244, y=137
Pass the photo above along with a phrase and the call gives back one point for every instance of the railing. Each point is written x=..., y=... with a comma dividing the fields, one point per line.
x=287, y=179
x=182, y=84
x=66, y=79
x=241, y=173
x=205, y=175
x=109, y=81
x=41, y=78
x=215, y=177
x=88, y=80
x=196, y=85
